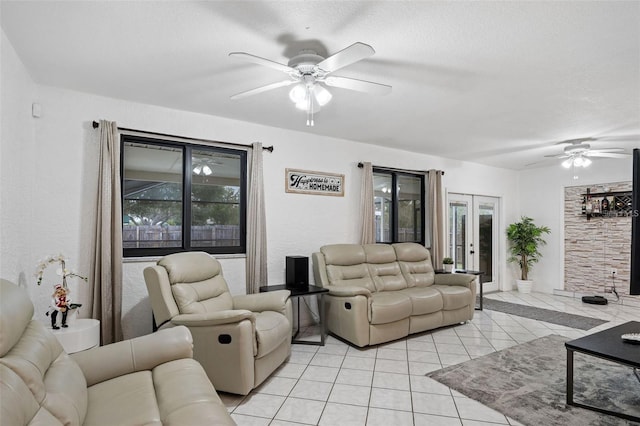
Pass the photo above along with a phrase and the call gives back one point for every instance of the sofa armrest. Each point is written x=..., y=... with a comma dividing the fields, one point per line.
x=259, y=302
x=213, y=318
x=345, y=291
x=464, y=280
x=138, y=354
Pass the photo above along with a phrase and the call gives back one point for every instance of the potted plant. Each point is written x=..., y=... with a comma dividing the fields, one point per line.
x=447, y=263
x=525, y=238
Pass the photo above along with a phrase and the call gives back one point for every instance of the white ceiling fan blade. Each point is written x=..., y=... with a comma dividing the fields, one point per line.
x=607, y=154
x=358, y=85
x=347, y=56
x=261, y=61
x=558, y=156
x=607, y=150
x=262, y=89
x=576, y=141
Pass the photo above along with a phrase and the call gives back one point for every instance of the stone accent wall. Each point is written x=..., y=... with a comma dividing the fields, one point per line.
x=593, y=247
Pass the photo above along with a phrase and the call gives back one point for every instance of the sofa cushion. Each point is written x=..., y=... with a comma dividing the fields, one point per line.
x=383, y=268
x=128, y=399
x=18, y=406
x=387, y=276
x=424, y=300
x=272, y=328
x=14, y=317
x=343, y=254
x=389, y=306
x=211, y=295
x=190, y=267
x=379, y=253
x=454, y=296
x=175, y=391
x=54, y=379
x=194, y=404
x=353, y=275
x=345, y=266
x=415, y=263
x=197, y=283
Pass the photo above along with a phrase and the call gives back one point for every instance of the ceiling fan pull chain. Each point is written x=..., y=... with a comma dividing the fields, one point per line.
x=309, y=108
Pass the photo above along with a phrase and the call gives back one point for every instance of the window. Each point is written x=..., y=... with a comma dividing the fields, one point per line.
x=181, y=197
x=399, y=206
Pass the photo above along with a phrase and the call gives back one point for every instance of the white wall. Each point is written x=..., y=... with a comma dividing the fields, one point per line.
x=541, y=196
x=53, y=161
x=17, y=164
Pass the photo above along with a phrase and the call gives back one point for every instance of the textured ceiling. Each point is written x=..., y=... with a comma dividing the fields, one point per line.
x=497, y=83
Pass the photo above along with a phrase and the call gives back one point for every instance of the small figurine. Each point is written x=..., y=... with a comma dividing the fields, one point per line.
x=60, y=302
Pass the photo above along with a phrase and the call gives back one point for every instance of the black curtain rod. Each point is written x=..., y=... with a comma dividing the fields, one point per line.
x=265, y=148
x=360, y=165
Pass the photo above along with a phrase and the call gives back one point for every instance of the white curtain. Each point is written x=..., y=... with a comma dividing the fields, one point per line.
x=256, y=225
x=367, y=212
x=106, y=265
x=436, y=217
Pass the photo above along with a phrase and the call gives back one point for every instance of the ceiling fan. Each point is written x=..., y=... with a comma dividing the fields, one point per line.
x=309, y=72
x=578, y=151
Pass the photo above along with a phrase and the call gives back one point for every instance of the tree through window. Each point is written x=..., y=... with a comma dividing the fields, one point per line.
x=179, y=197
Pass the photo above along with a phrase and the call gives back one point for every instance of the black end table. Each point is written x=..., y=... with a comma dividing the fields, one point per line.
x=297, y=293
x=606, y=344
x=480, y=274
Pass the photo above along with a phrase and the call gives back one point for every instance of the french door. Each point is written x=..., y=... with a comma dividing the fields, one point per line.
x=472, y=237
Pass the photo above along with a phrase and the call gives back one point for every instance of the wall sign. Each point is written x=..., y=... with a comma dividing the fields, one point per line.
x=317, y=183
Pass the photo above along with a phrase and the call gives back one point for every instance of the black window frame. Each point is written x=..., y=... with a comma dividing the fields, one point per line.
x=394, y=202
x=187, y=157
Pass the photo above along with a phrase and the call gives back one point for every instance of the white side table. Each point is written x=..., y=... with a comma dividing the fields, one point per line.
x=82, y=334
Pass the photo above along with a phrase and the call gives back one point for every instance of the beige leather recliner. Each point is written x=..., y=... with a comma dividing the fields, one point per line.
x=150, y=380
x=239, y=340
x=383, y=292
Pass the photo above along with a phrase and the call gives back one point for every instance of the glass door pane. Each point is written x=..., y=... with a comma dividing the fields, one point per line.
x=409, y=209
x=485, y=240
x=474, y=235
x=215, y=199
x=152, y=196
x=382, y=185
x=459, y=231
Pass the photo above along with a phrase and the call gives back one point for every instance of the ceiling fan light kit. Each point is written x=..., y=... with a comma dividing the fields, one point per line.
x=577, y=153
x=577, y=161
x=310, y=72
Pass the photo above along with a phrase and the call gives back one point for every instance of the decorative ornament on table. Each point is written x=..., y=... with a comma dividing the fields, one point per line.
x=60, y=300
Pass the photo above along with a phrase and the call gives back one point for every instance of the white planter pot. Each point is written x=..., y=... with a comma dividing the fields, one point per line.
x=524, y=286
x=448, y=267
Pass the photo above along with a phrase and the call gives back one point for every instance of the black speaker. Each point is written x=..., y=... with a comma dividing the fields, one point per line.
x=297, y=271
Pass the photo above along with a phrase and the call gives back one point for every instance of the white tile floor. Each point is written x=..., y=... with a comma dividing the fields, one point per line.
x=339, y=385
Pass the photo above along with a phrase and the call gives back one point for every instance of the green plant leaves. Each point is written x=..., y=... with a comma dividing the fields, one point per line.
x=525, y=238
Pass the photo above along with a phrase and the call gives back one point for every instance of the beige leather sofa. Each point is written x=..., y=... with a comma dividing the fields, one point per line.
x=239, y=340
x=383, y=292
x=150, y=380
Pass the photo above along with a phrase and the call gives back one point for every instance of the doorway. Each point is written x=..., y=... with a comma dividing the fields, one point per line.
x=472, y=237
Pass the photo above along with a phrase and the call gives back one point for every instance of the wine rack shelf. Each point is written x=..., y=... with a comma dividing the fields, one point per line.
x=607, y=204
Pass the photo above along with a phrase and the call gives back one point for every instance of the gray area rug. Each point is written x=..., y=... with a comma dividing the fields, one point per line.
x=561, y=318
x=527, y=383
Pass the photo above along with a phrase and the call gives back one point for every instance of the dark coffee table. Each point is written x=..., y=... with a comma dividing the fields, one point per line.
x=608, y=345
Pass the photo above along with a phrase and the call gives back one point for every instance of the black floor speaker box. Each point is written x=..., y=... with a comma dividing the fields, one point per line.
x=297, y=268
